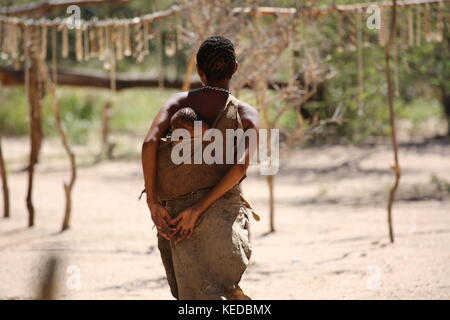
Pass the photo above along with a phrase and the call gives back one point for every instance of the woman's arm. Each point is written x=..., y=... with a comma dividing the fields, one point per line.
x=187, y=220
x=158, y=129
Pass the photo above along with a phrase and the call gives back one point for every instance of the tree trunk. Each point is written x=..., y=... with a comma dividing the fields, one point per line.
x=4, y=183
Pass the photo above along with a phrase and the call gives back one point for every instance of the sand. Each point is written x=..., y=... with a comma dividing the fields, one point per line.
x=331, y=238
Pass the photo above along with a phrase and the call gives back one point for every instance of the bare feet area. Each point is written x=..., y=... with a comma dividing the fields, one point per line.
x=331, y=239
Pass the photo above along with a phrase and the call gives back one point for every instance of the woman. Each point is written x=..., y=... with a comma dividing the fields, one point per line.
x=203, y=234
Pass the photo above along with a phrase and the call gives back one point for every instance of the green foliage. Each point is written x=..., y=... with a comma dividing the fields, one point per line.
x=134, y=109
x=13, y=111
x=79, y=112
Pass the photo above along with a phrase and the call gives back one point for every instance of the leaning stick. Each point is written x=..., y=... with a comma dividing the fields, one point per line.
x=391, y=93
x=68, y=187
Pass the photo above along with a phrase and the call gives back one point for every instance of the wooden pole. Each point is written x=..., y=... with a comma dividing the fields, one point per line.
x=4, y=175
x=391, y=94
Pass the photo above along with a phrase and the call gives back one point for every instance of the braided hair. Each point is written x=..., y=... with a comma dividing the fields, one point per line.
x=216, y=58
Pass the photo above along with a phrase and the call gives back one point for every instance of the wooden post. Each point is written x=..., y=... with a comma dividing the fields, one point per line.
x=3, y=173
x=34, y=101
x=391, y=94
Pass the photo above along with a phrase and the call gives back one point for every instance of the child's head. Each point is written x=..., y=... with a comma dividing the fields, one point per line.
x=185, y=118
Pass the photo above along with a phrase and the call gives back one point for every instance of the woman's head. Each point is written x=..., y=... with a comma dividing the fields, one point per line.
x=216, y=59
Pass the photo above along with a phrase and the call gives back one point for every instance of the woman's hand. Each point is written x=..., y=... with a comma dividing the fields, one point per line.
x=185, y=224
x=161, y=219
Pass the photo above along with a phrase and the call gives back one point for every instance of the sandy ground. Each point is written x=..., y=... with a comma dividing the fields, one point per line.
x=331, y=240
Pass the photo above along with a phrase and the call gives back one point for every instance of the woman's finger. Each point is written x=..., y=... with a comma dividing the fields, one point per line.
x=178, y=230
x=164, y=235
x=177, y=219
x=182, y=236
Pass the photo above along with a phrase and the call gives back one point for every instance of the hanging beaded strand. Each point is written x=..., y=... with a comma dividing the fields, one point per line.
x=138, y=41
x=15, y=37
x=440, y=25
x=170, y=47
x=410, y=27
x=93, y=44
x=127, y=40
x=54, y=36
x=118, y=42
x=7, y=41
x=340, y=27
x=353, y=30
x=79, y=43
x=418, y=26
x=383, y=32
x=107, y=49
x=101, y=42
x=86, y=43
x=65, y=41
x=147, y=37
x=427, y=23
x=44, y=39
x=112, y=56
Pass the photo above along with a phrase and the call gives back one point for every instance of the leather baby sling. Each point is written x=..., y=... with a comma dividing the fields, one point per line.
x=175, y=180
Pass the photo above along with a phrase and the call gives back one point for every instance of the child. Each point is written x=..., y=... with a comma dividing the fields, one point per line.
x=185, y=119
x=182, y=119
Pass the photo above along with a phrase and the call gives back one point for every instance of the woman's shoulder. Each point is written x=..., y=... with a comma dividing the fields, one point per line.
x=175, y=102
x=181, y=98
x=248, y=113
x=177, y=98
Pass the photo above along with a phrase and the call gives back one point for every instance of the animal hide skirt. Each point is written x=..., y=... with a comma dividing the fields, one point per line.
x=210, y=264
